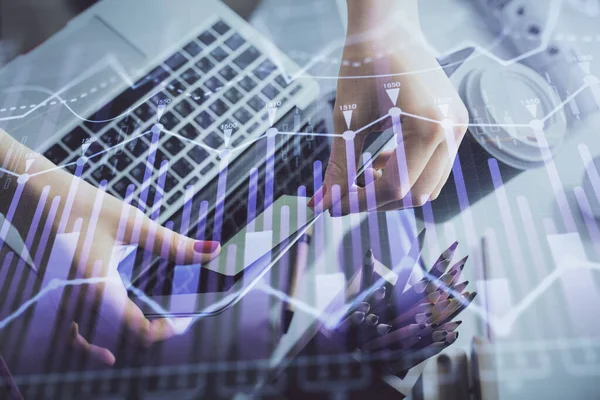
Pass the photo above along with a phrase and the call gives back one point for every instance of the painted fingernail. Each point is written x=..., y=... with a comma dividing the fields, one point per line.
x=205, y=246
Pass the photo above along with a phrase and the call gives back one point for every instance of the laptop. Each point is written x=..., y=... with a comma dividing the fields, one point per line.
x=97, y=88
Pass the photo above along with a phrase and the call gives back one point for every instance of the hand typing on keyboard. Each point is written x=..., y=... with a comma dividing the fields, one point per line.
x=386, y=50
x=63, y=203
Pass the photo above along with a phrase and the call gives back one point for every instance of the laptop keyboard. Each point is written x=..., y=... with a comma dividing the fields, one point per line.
x=217, y=78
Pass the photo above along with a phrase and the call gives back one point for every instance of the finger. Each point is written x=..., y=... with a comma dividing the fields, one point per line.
x=411, y=156
x=376, y=192
x=413, y=168
x=431, y=176
x=173, y=246
x=144, y=331
x=98, y=353
x=382, y=159
x=454, y=137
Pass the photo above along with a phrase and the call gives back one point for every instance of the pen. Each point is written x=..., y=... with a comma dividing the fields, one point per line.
x=297, y=273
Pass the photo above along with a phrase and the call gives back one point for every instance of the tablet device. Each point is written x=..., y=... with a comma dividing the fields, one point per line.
x=203, y=290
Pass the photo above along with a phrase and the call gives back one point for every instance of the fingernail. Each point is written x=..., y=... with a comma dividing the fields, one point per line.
x=205, y=246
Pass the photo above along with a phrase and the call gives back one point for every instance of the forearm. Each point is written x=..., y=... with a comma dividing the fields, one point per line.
x=366, y=15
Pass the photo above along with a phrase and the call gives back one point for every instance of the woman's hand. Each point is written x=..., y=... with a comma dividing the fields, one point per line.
x=392, y=56
x=103, y=222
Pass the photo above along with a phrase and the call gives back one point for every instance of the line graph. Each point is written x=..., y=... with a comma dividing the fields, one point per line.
x=592, y=81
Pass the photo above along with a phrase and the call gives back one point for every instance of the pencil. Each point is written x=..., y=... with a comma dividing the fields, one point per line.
x=439, y=267
x=367, y=271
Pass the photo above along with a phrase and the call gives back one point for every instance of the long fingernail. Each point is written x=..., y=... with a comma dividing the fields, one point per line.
x=205, y=246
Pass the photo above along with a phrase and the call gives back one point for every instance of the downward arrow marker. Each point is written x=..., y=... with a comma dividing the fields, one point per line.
x=532, y=109
x=227, y=136
x=348, y=118
x=272, y=115
x=444, y=108
x=84, y=147
x=393, y=95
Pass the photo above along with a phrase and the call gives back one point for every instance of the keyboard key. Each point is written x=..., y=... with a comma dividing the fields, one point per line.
x=184, y=108
x=242, y=115
x=71, y=165
x=213, y=84
x=170, y=183
x=219, y=54
x=270, y=91
x=256, y=103
x=138, y=172
x=121, y=186
x=221, y=28
x=120, y=161
x=192, y=182
x=178, y=195
x=204, y=120
x=199, y=96
x=193, y=48
x=176, y=88
x=214, y=140
x=233, y=95
x=144, y=112
x=160, y=98
x=174, y=145
x=190, y=76
x=74, y=139
x=189, y=131
x=137, y=147
x=205, y=65
x=219, y=107
x=235, y=42
x=281, y=81
x=238, y=141
x=228, y=73
x=159, y=157
x=93, y=152
x=128, y=126
x=182, y=168
x=207, y=38
x=103, y=172
x=247, y=57
x=296, y=90
x=111, y=137
x=198, y=154
x=176, y=61
x=207, y=168
x=170, y=121
x=253, y=127
x=265, y=69
x=247, y=83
